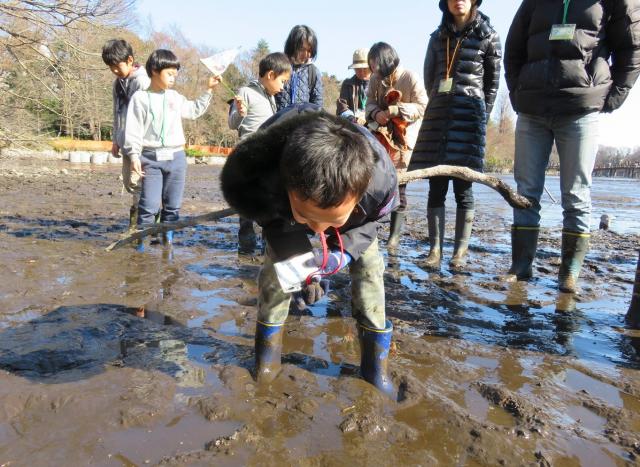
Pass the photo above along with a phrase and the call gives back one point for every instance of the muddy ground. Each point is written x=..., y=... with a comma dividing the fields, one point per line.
x=126, y=359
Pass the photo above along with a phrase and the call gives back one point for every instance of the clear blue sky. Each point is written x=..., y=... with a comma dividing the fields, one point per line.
x=342, y=27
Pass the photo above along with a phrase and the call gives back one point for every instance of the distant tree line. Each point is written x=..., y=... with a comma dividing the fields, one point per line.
x=53, y=82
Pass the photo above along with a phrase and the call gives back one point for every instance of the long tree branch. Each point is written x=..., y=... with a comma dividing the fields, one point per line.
x=510, y=196
x=514, y=199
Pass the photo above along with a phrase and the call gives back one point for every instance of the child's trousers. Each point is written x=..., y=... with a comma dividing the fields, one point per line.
x=162, y=187
x=367, y=290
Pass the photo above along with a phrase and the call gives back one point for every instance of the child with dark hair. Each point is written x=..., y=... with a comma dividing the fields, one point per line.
x=396, y=102
x=155, y=139
x=306, y=81
x=253, y=105
x=117, y=54
x=310, y=172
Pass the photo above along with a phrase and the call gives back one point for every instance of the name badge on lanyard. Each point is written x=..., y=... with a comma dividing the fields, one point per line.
x=564, y=31
x=446, y=85
x=164, y=154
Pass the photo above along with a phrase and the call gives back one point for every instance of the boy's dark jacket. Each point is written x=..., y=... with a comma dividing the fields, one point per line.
x=252, y=185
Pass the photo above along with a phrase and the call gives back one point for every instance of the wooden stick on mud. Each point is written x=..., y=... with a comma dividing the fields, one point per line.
x=163, y=227
x=511, y=197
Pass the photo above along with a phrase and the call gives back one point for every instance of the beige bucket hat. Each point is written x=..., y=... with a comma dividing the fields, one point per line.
x=360, y=59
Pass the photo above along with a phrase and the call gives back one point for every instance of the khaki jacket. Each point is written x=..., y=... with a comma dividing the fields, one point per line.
x=411, y=107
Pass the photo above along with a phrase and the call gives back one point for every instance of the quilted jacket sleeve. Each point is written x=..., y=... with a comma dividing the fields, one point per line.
x=623, y=38
x=492, y=61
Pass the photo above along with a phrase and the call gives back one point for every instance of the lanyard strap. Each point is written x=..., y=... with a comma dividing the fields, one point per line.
x=362, y=98
x=566, y=11
x=325, y=258
x=453, y=58
x=153, y=117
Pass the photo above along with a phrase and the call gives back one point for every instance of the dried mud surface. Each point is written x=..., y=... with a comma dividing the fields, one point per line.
x=125, y=359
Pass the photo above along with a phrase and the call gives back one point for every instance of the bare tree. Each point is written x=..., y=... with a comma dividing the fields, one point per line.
x=50, y=52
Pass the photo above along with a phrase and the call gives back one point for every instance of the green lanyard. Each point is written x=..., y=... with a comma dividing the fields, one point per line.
x=153, y=117
x=566, y=11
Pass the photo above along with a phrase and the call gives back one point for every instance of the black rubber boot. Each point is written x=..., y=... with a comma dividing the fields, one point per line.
x=374, y=357
x=633, y=313
x=435, y=220
x=247, y=239
x=268, y=351
x=464, y=225
x=395, y=229
x=524, y=243
x=574, y=248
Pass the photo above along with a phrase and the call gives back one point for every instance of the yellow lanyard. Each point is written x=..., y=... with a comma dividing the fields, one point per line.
x=453, y=59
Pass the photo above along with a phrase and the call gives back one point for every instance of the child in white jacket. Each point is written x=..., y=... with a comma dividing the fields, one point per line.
x=154, y=139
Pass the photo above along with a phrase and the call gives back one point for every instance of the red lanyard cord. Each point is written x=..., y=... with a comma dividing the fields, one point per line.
x=325, y=258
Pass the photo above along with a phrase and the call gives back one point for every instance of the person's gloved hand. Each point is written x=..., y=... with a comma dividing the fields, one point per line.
x=319, y=287
x=311, y=293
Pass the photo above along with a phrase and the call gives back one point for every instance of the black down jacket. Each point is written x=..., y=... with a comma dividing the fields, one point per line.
x=453, y=130
x=252, y=185
x=592, y=72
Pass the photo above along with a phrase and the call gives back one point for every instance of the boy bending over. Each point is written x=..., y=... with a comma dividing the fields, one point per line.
x=308, y=172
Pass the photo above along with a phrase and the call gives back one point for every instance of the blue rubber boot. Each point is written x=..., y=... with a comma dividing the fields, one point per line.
x=374, y=350
x=140, y=246
x=268, y=351
x=167, y=237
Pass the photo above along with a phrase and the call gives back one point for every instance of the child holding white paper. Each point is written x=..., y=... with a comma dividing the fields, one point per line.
x=154, y=138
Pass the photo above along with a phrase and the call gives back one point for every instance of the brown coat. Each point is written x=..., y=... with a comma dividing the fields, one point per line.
x=410, y=108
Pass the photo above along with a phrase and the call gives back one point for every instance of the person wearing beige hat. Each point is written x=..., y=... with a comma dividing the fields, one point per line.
x=353, y=93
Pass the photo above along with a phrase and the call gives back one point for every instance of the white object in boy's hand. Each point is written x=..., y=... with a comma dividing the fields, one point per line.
x=294, y=271
x=218, y=63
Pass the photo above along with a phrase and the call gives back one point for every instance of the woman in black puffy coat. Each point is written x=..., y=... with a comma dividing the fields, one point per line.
x=461, y=75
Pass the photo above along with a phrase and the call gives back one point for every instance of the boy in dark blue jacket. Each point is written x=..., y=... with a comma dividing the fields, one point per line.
x=308, y=172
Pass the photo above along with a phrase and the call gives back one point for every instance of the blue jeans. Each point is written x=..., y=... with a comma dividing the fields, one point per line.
x=576, y=138
x=162, y=187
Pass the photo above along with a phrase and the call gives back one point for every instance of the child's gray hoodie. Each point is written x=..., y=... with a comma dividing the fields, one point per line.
x=123, y=90
x=260, y=107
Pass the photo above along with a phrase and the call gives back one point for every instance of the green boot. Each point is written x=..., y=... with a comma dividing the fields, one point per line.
x=464, y=225
x=524, y=243
x=435, y=219
x=395, y=230
x=574, y=248
x=133, y=217
x=268, y=351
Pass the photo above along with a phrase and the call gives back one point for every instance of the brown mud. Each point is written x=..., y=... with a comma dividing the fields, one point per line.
x=125, y=359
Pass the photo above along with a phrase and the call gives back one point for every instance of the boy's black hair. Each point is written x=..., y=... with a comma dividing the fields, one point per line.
x=297, y=37
x=326, y=161
x=385, y=57
x=115, y=51
x=277, y=62
x=161, y=59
